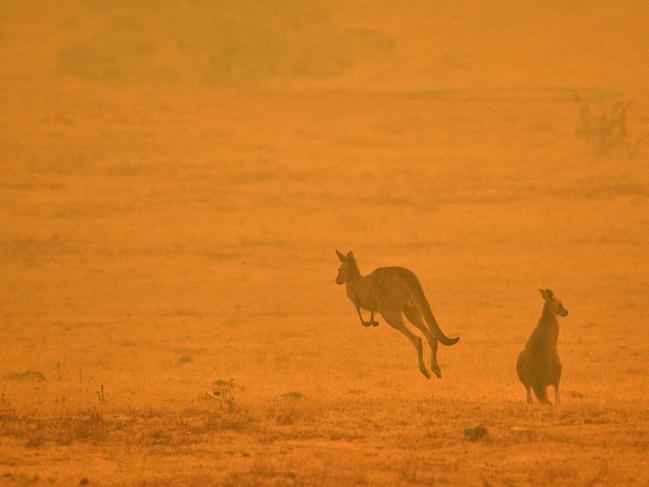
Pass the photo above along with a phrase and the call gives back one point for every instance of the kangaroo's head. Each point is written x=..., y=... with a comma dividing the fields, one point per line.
x=552, y=303
x=347, y=267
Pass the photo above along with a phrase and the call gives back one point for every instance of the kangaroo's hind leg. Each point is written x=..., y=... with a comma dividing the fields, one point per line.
x=395, y=320
x=372, y=321
x=557, y=378
x=413, y=314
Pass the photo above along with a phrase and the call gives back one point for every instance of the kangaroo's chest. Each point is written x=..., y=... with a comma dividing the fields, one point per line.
x=363, y=294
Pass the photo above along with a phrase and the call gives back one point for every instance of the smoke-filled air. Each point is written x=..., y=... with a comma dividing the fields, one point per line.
x=324, y=243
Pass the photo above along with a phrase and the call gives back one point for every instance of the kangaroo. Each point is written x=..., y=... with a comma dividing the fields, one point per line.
x=538, y=365
x=392, y=291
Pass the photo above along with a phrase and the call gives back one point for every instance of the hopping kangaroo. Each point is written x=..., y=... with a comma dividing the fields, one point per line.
x=538, y=365
x=392, y=291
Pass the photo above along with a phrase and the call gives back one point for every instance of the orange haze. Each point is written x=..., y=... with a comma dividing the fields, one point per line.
x=175, y=176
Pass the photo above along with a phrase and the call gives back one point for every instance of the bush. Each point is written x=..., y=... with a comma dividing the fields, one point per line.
x=218, y=41
x=606, y=129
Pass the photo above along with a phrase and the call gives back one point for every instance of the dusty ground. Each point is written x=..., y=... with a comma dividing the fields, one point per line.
x=157, y=238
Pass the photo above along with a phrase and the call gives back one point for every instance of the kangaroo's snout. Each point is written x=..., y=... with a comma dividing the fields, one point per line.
x=340, y=278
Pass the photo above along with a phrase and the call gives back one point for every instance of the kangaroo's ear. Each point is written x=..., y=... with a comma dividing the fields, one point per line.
x=547, y=294
x=350, y=255
x=341, y=257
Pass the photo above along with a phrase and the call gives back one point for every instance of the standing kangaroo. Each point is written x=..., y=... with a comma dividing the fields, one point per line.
x=538, y=365
x=392, y=291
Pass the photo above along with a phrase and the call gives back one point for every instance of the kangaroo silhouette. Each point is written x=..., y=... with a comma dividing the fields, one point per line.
x=393, y=292
x=538, y=365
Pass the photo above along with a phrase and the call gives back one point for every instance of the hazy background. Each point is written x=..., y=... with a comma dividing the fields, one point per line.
x=174, y=179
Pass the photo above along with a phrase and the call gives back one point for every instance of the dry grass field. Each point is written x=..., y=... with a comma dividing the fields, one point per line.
x=168, y=310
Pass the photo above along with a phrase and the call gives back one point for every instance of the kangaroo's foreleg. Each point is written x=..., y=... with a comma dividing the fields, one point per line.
x=363, y=322
x=394, y=319
x=413, y=314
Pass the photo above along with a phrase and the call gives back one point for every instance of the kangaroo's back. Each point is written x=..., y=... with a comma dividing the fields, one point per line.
x=399, y=288
x=394, y=281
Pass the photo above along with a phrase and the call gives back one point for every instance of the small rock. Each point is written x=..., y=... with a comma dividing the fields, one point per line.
x=223, y=398
x=185, y=359
x=84, y=481
x=224, y=384
x=476, y=433
x=291, y=396
x=218, y=395
x=35, y=442
x=33, y=375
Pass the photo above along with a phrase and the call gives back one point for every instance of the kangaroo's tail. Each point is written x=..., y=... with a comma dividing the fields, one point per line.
x=424, y=307
x=541, y=393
